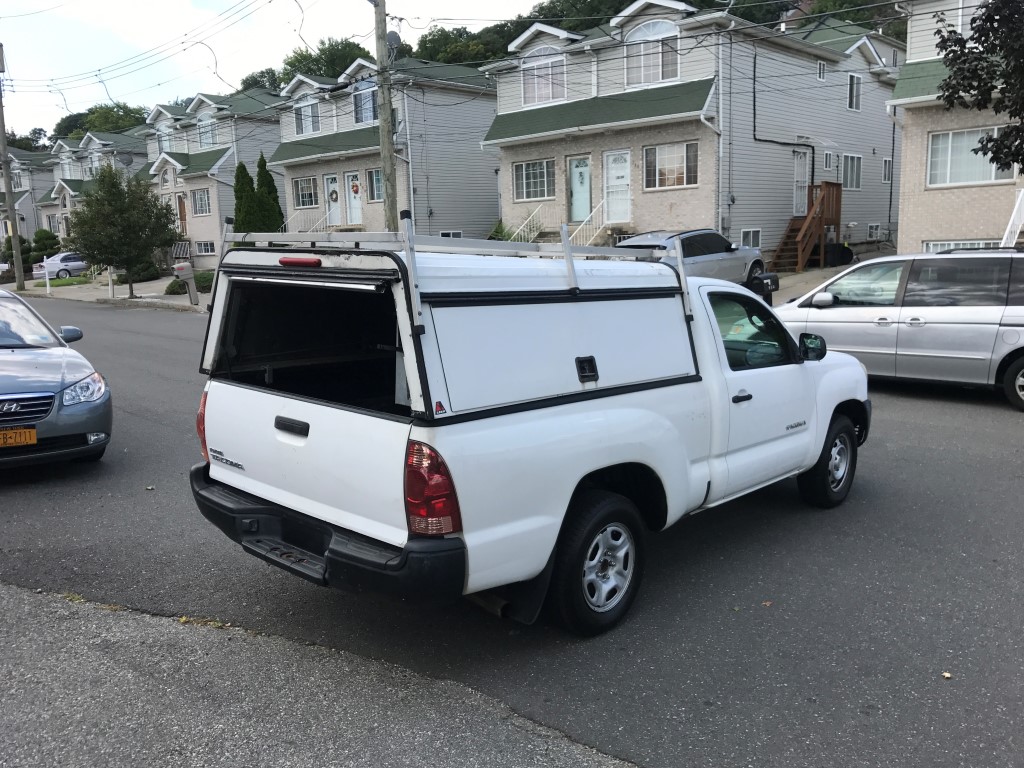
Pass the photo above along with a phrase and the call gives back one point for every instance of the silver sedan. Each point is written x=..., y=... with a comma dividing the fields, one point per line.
x=705, y=253
x=60, y=266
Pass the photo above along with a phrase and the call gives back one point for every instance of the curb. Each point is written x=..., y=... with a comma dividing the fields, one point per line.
x=152, y=304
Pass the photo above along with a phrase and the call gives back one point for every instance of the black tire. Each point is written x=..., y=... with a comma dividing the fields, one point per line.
x=757, y=268
x=599, y=563
x=828, y=482
x=63, y=274
x=1013, y=384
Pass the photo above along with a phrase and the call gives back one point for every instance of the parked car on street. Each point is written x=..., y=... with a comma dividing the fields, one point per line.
x=705, y=254
x=60, y=266
x=53, y=404
x=952, y=317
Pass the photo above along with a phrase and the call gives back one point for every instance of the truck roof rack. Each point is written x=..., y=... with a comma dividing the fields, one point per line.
x=410, y=243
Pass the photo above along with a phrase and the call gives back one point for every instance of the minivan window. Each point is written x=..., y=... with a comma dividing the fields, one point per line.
x=1016, y=298
x=873, y=285
x=958, y=282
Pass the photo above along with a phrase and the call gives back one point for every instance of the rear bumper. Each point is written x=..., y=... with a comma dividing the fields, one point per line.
x=426, y=568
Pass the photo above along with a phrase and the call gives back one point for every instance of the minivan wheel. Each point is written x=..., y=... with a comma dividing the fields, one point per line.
x=828, y=482
x=756, y=270
x=1013, y=384
x=599, y=563
x=63, y=274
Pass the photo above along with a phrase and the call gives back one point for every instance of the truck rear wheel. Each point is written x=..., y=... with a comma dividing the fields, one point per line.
x=828, y=482
x=599, y=563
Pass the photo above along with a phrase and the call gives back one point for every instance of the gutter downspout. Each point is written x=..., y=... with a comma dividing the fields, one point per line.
x=408, y=150
x=718, y=141
x=890, y=109
x=720, y=118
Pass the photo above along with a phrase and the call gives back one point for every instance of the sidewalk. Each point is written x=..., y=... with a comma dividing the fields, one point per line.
x=151, y=294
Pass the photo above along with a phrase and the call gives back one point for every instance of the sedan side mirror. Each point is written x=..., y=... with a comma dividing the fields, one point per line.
x=812, y=346
x=70, y=333
x=823, y=299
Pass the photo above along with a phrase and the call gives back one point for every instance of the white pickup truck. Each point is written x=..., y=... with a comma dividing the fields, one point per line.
x=424, y=417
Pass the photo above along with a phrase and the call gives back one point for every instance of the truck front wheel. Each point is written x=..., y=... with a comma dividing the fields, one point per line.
x=828, y=482
x=599, y=563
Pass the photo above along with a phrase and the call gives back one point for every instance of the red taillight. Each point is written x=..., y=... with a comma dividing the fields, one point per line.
x=201, y=426
x=431, y=504
x=299, y=261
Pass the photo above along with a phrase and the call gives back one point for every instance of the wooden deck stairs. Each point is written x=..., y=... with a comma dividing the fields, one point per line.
x=804, y=239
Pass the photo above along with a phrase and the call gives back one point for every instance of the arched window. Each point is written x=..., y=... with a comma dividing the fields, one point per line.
x=207, y=130
x=307, y=117
x=652, y=53
x=543, y=71
x=63, y=202
x=165, y=178
x=364, y=101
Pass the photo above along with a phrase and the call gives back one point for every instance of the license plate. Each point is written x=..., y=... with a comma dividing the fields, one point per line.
x=15, y=437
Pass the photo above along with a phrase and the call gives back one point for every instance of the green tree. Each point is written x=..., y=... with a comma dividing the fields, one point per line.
x=883, y=16
x=33, y=141
x=44, y=244
x=267, y=205
x=986, y=72
x=111, y=118
x=330, y=59
x=246, y=215
x=265, y=78
x=121, y=223
x=26, y=251
x=68, y=125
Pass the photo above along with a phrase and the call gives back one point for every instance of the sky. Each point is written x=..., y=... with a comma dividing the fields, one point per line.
x=63, y=56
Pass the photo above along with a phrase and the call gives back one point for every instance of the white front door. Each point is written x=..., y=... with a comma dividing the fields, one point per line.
x=331, y=195
x=800, y=183
x=353, y=198
x=616, y=186
x=579, y=188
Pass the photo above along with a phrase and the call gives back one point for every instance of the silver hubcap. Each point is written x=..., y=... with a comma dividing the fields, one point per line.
x=608, y=568
x=1018, y=385
x=839, y=462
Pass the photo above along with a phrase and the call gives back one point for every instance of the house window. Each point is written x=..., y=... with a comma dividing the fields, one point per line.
x=821, y=71
x=952, y=161
x=826, y=161
x=750, y=238
x=887, y=170
x=451, y=233
x=200, y=202
x=16, y=179
x=652, y=54
x=670, y=165
x=937, y=246
x=873, y=230
x=543, y=73
x=364, y=100
x=853, y=92
x=895, y=58
x=52, y=223
x=851, y=171
x=207, y=130
x=163, y=139
x=305, y=192
x=205, y=247
x=65, y=168
x=534, y=180
x=64, y=202
x=374, y=185
x=307, y=118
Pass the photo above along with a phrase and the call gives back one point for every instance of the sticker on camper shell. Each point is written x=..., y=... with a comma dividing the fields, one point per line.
x=439, y=408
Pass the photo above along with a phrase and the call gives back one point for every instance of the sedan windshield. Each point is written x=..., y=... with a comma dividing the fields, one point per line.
x=20, y=328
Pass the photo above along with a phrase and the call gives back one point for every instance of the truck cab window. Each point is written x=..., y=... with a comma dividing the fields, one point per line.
x=752, y=336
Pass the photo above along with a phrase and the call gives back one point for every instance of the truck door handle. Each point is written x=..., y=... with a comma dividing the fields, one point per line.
x=916, y=322
x=885, y=322
x=742, y=398
x=300, y=428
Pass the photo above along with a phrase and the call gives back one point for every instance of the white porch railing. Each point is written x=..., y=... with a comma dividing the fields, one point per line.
x=528, y=229
x=313, y=220
x=1016, y=222
x=591, y=227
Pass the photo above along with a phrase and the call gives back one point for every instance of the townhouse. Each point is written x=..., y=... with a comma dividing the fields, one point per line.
x=673, y=118
x=950, y=197
x=330, y=149
x=30, y=178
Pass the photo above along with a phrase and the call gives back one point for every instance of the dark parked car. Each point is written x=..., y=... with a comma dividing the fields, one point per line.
x=53, y=404
x=705, y=253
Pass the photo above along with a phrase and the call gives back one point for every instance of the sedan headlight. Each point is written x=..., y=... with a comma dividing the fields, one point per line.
x=87, y=390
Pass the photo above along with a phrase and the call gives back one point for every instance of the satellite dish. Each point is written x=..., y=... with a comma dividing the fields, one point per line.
x=394, y=39
x=124, y=159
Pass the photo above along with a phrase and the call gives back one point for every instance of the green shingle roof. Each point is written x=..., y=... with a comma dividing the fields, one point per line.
x=255, y=101
x=453, y=73
x=203, y=162
x=832, y=34
x=330, y=144
x=35, y=159
x=121, y=140
x=681, y=99
x=919, y=78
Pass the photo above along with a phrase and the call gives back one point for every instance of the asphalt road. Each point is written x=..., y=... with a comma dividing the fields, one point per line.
x=767, y=634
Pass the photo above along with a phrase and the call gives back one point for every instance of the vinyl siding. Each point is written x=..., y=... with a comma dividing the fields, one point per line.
x=921, y=28
x=452, y=176
x=250, y=137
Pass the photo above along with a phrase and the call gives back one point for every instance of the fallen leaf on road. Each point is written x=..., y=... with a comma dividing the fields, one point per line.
x=946, y=676
x=767, y=603
x=150, y=487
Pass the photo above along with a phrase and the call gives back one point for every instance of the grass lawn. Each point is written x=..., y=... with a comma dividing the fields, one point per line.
x=55, y=283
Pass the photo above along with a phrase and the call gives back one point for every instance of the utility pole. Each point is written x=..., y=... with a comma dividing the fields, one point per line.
x=385, y=116
x=12, y=214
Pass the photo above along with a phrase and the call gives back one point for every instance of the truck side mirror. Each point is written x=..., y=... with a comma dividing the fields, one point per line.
x=812, y=346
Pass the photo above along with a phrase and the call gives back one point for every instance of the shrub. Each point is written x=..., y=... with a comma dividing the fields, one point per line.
x=141, y=273
x=204, y=284
x=26, y=251
x=44, y=244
